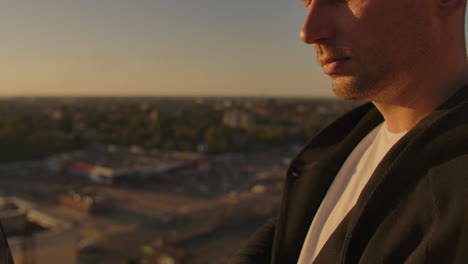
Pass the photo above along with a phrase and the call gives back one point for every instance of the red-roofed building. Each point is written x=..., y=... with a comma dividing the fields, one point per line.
x=94, y=173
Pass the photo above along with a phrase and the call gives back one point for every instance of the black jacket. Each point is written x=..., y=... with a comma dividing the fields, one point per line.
x=411, y=210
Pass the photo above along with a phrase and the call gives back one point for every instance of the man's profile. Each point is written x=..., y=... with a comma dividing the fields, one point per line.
x=388, y=181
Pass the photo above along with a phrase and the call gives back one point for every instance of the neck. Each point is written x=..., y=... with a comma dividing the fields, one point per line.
x=405, y=110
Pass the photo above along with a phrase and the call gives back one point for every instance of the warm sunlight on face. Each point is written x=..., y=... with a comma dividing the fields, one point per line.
x=365, y=45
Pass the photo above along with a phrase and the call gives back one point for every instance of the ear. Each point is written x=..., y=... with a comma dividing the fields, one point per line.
x=449, y=7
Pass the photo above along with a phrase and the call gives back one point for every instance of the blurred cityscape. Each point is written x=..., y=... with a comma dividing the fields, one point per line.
x=146, y=180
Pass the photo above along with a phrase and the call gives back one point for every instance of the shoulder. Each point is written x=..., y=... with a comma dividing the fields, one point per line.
x=447, y=154
x=449, y=182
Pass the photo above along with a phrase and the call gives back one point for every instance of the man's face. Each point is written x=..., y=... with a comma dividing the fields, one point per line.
x=368, y=46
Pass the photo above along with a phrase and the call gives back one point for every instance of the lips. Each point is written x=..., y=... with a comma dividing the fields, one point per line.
x=332, y=65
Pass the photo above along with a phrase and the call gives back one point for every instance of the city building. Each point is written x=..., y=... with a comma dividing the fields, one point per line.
x=37, y=238
x=85, y=201
x=95, y=173
x=238, y=119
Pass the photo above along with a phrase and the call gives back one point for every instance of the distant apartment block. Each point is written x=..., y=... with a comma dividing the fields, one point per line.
x=238, y=118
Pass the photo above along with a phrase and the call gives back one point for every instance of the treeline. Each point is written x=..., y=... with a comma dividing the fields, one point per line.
x=25, y=137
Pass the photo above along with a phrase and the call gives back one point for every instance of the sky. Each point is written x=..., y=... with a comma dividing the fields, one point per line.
x=156, y=48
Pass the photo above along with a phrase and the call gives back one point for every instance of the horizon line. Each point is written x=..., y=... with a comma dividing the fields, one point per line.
x=163, y=96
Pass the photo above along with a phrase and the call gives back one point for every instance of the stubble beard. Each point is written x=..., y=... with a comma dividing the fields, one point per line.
x=362, y=85
x=356, y=89
x=375, y=84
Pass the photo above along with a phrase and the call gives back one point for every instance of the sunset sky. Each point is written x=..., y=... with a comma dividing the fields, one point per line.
x=156, y=47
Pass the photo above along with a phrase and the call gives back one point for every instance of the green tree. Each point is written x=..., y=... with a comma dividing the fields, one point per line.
x=216, y=139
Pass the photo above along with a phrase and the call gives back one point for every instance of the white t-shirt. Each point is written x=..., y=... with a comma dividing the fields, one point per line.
x=346, y=188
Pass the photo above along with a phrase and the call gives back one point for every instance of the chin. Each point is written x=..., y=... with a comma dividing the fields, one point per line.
x=350, y=88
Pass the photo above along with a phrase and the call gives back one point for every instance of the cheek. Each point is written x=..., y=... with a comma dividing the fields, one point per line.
x=359, y=8
x=383, y=16
x=385, y=26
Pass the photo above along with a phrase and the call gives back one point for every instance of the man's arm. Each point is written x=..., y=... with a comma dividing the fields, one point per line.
x=257, y=249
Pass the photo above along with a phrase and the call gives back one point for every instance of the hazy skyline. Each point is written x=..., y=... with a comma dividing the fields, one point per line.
x=157, y=47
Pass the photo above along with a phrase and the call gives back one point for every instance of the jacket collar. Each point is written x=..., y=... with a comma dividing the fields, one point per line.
x=405, y=163
x=313, y=170
x=310, y=175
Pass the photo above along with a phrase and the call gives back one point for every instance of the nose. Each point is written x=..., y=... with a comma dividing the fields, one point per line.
x=319, y=23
